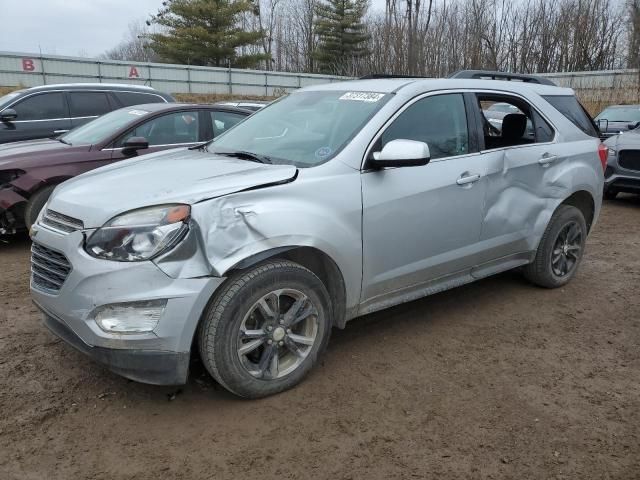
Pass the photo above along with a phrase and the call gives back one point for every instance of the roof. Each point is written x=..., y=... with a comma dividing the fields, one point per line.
x=415, y=86
x=90, y=86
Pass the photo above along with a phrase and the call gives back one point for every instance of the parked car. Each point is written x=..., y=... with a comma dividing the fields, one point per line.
x=335, y=201
x=49, y=110
x=623, y=165
x=618, y=118
x=252, y=105
x=29, y=171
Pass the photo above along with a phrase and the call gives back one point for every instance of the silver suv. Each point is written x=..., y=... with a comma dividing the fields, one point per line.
x=333, y=202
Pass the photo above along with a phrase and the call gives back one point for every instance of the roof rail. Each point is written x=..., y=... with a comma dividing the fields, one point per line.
x=487, y=74
x=374, y=76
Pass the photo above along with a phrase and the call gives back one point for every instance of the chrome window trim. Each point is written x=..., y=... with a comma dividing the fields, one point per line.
x=55, y=119
x=460, y=91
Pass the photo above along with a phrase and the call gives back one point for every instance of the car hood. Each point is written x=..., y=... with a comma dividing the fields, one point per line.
x=32, y=153
x=627, y=140
x=174, y=176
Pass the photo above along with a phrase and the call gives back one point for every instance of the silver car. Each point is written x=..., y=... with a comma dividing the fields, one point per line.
x=336, y=201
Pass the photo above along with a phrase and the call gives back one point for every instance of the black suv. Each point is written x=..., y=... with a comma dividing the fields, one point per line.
x=50, y=110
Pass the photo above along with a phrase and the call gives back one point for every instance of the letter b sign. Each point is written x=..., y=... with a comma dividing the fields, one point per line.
x=28, y=65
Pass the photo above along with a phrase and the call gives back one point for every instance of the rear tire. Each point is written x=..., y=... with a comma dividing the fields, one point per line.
x=35, y=204
x=560, y=250
x=264, y=330
x=610, y=194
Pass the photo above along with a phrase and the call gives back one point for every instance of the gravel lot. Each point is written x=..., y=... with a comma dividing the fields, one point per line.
x=498, y=379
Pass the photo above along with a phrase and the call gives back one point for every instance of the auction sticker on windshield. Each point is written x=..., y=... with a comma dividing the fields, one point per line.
x=362, y=96
x=138, y=112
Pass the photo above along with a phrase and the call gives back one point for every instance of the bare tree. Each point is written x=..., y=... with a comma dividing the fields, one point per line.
x=134, y=45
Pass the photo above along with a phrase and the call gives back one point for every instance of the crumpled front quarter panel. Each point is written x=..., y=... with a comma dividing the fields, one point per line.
x=322, y=208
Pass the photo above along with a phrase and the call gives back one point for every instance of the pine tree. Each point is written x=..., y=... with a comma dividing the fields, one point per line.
x=205, y=32
x=342, y=35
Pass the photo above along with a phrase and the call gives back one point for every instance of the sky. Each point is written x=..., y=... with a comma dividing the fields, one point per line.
x=69, y=27
x=73, y=27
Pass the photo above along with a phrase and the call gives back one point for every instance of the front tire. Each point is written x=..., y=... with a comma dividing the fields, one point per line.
x=263, y=331
x=560, y=250
x=35, y=204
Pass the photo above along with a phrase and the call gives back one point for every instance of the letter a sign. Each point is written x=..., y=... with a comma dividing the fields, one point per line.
x=133, y=72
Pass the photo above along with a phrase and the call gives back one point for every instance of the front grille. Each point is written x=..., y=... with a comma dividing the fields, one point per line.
x=49, y=269
x=60, y=222
x=629, y=159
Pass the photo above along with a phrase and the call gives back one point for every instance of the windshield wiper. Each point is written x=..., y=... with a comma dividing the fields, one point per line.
x=254, y=157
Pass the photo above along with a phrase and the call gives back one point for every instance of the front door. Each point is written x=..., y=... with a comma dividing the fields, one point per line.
x=39, y=116
x=421, y=225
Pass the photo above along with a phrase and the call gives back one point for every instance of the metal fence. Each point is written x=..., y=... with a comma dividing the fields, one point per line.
x=35, y=69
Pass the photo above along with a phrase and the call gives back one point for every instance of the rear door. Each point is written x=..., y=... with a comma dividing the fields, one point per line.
x=522, y=157
x=87, y=105
x=422, y=224
x=40, y=115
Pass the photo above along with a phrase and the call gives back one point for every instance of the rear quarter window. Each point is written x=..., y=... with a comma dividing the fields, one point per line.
x=134, y=98
x=569, y=106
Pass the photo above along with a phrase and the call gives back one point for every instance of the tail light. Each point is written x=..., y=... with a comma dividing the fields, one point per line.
x=603, y=152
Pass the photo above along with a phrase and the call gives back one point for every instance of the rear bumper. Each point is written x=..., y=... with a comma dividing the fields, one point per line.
x=147, y=366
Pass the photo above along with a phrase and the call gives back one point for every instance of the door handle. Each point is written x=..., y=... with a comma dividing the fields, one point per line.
x=547, y=159
x=59, y=132
x=467, y=179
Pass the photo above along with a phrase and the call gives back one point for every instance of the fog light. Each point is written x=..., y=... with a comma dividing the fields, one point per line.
x=131, y=317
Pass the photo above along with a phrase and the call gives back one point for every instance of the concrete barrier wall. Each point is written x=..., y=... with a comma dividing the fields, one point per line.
x=33, y=69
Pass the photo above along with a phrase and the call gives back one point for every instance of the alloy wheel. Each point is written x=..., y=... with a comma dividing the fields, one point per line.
x=277, y=334
x=566, y=249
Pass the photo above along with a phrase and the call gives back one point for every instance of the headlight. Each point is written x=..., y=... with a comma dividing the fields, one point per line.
x=141, y=234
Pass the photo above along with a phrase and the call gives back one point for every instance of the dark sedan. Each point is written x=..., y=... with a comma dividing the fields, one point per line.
x=29, y=171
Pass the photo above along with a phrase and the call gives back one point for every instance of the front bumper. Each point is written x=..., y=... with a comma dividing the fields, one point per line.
x=147, y=366
x=622, y=180
x=158, y=357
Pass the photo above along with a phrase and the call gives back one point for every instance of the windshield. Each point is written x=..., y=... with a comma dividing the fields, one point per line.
x=102, y=127
x=620, y=114
x=8, y=97
x=304, y=129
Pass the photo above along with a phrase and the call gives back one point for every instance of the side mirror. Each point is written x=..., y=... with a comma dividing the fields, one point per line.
x=402, y=153
x=134, y=144
x=8, y=115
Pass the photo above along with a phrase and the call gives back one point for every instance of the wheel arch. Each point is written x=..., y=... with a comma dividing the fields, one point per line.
x=583, y=201
x=321, y=264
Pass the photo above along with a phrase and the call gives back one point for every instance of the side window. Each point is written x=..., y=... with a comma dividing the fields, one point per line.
x=171, y=129
x=509, y=122
x=42, y=107
x=88, y=104
x=133, y=98
x=223, y=121
x=440, y=121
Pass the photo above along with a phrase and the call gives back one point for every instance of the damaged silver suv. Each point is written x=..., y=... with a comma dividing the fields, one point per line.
x=333, y=202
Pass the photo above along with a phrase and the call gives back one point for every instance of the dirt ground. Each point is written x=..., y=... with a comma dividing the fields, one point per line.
x=497, y=379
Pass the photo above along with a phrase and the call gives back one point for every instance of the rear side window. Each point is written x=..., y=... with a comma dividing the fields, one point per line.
x=45, y=106
x=569, y=106
x=223, y=121
x=133, y=98
x=88, y=104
